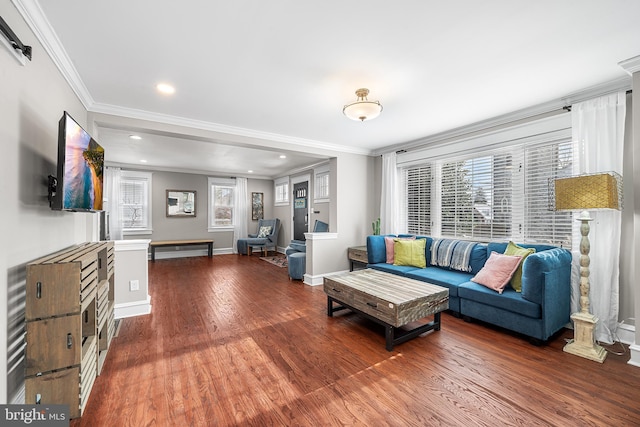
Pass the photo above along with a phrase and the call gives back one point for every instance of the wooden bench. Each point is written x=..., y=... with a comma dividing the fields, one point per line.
x=163, y=243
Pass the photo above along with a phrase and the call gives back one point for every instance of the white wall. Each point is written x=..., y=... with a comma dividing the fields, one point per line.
x=352, y=211
x=32, y=100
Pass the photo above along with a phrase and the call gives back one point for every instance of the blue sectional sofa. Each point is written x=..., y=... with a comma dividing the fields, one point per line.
x=539, y=311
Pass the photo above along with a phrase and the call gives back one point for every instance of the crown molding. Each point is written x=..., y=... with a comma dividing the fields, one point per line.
x=631, y=65
x=39, y=24
x=41, y=27
x=145, y=168
x=516, y=117
x=219, y=128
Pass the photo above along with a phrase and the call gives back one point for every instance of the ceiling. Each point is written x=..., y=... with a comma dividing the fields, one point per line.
x=262, y=79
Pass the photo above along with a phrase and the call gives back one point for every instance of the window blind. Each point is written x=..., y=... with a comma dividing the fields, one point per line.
x=477, y=196
x=417, y=186
x=134, y=203
x=543, y=164
x=495, y=194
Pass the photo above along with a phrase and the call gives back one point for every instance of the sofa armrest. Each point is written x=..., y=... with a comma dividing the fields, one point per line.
x=546, y=280
x=253, y=235
x=535, y=269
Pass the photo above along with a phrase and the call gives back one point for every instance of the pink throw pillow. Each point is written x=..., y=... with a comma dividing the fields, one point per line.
x=389, y=246
x=497, y=271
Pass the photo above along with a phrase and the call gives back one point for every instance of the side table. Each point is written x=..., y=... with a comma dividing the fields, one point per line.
x=358, y=257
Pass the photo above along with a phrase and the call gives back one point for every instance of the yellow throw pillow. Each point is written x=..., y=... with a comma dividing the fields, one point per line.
x=410, y=252
x=513, y=249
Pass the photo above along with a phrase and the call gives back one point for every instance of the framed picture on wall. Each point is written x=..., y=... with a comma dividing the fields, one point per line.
x=257, y=206
x=181, y=204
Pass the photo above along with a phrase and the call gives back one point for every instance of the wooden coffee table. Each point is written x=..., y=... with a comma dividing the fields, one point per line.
x=388, y=299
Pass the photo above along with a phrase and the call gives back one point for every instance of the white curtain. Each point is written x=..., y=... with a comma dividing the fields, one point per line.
x=598, y=131
x=241, y=212
x=112, y=205
x=389, y=200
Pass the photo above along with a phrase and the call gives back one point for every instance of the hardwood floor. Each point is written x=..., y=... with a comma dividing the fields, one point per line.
x=231, y=341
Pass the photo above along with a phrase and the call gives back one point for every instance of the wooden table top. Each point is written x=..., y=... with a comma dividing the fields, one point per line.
x=389, y=287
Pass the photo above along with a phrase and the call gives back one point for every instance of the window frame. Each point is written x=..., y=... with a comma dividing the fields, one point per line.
x=519, y=201
x=321, y=189
x=212, y=183
x=283, y=185
x=147, y=178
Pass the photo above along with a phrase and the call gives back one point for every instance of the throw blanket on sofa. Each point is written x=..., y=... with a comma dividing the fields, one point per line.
x=454, y=254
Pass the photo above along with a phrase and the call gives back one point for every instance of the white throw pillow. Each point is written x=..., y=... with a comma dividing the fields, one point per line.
x=264, y=231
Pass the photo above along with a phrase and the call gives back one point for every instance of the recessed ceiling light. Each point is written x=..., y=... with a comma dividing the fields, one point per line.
x=282, y=156
x=166, y=88
x=136, y=137
x=143, y=161
x=250, y=171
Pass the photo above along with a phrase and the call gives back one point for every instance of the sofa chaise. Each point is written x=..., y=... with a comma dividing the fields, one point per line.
x=539, y=310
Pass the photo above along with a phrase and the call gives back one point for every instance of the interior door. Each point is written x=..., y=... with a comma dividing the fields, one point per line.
x=300, y=210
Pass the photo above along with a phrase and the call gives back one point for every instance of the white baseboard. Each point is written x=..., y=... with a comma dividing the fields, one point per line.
x=313, y=280
x=634, y=349
x=131, y=309
x=318, y=279
x=626, y=333
x=189, y=253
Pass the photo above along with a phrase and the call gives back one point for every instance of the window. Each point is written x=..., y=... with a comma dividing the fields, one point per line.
x=281, y=191
x=417, y=183
x=135, y=202
x=321, y=184
x=544, y=164
x=221, y=203
x=496, y=194
x=476, y=197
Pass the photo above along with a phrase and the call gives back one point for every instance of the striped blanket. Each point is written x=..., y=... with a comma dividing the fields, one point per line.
x=454, y=254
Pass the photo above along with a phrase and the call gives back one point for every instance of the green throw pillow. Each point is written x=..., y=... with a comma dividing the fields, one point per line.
x=513, y=249
x=410, y=252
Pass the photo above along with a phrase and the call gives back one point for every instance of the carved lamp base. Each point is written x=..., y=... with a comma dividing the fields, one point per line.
x=583, y=343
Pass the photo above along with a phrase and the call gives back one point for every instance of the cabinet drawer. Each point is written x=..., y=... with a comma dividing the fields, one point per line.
x=53, y=344
x=338, y=291
x=56, y=388
x=358, y=254
x=376, y=307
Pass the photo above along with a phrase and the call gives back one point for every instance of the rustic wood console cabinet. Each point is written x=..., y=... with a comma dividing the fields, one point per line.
x=69, y=322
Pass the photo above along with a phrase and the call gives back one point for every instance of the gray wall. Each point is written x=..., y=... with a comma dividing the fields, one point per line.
x=32, y=100
x=171, y=228
x=319, y=211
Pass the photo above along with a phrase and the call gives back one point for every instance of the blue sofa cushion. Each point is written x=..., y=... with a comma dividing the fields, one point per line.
x=376, y=249
x=509, y=300
x=400, y=270
x=439, y=276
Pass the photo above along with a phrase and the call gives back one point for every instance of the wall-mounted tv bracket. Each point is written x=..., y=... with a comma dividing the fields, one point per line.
x=14, y=40
x=52, y=187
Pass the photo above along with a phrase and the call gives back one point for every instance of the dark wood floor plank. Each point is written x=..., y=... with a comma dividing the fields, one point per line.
x=232, y=341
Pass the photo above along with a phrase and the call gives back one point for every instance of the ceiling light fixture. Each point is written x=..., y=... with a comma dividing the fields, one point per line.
x=136, y=137
x=362, y=109
x=166, y=89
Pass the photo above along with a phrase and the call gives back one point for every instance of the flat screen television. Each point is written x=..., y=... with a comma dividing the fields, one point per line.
x=80, y=169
